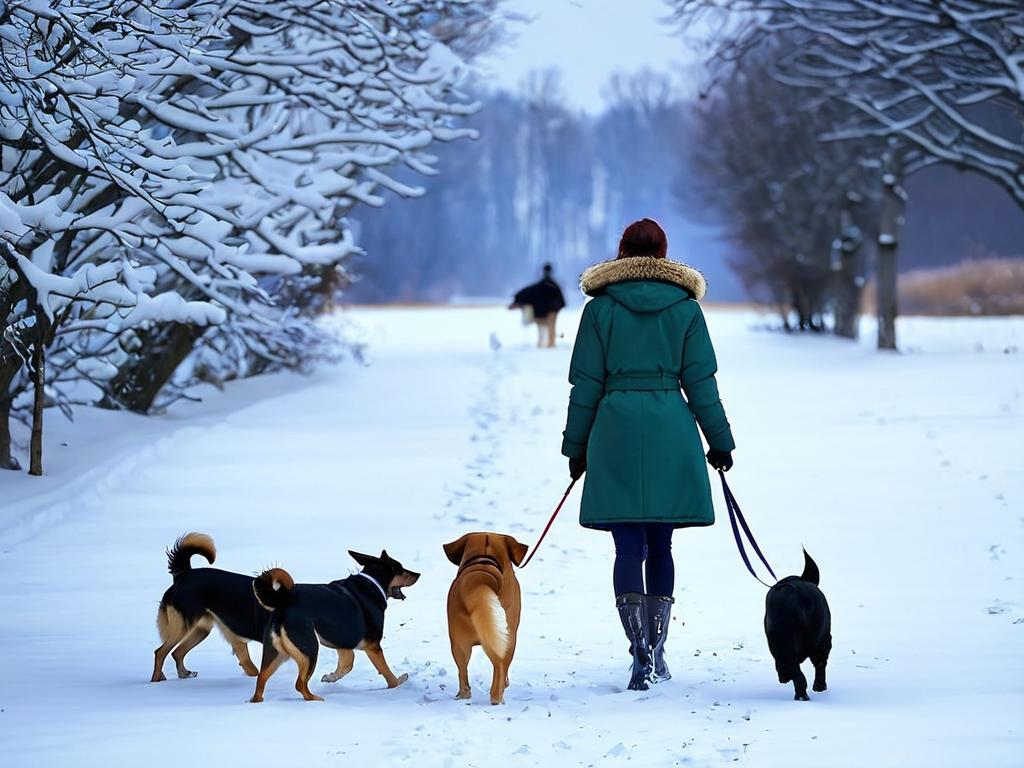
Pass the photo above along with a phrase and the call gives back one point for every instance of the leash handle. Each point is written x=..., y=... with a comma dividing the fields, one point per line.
x=735, y=514
x=548, y=526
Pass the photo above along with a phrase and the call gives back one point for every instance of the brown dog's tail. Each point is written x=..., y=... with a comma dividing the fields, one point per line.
x=179, y=556
x=487, y=616
x=810, y=573
x=273, y=588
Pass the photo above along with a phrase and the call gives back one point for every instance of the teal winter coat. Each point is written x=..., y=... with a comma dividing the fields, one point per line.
x=641, y=344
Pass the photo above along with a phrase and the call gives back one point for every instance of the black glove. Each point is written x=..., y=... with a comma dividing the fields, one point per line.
x=577, y=467
x=720, y=459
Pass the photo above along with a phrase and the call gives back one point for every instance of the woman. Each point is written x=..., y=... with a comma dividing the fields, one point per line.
x=641, y=339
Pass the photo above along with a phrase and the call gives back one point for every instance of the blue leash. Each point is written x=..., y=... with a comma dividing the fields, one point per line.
x=735, y=514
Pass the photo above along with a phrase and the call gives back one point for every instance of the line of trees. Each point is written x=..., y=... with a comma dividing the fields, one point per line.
x=176, y=179
x=544, y=182
x=897, y=86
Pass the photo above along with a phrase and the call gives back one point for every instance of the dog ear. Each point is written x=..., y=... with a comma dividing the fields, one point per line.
x=516, y=551
x=384, y=554
x=363, y=560
x=455, y=549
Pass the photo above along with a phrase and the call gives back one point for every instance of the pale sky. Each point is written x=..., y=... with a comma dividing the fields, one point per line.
x=588, y=40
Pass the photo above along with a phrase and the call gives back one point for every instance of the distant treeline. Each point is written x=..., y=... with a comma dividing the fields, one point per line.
x=542, y=183
x=547, y=183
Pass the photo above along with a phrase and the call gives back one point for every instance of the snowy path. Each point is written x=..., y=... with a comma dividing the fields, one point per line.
x=901, y=474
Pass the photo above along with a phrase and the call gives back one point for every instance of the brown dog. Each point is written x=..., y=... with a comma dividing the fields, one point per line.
x=484, y=605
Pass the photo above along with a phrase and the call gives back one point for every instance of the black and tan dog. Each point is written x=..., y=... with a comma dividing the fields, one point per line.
x=798, y=624
x=344, y=615
x=200, y=599
x=484, y=605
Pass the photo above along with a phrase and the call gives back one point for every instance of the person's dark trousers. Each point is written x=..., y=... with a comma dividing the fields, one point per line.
x=641, y=547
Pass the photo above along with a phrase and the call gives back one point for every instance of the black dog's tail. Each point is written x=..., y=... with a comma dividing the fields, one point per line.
x=273, y=588
x=810, y=570
x=179, y=556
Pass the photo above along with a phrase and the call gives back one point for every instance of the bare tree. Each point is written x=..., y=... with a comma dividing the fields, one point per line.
x=641, y=132
x=795, y=207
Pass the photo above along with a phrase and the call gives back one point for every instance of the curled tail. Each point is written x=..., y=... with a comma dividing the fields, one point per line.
x=810, y=573
x=273, y=588
x=488, y=619
x=179, y=556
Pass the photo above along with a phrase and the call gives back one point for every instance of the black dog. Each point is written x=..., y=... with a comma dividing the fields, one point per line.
x=798, y=624
x=200, y=599
x=345, y=615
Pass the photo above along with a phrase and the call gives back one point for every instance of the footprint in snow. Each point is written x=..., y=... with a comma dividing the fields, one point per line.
x=998, y=606
x=617, y=751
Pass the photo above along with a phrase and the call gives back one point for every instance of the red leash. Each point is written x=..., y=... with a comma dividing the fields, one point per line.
x=548, y=526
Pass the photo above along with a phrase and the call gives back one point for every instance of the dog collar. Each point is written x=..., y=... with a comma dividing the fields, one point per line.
x=487, y=560
x=375, y=583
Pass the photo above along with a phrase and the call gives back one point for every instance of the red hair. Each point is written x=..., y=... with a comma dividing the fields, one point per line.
x=643, y=238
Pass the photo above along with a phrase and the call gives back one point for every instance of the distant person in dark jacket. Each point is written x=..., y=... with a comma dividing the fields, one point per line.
x=541, y=302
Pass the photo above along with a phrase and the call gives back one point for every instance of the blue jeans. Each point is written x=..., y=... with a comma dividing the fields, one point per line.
x=641, y=547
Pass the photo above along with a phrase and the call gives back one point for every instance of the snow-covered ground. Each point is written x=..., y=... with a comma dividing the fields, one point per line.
x=901, y=474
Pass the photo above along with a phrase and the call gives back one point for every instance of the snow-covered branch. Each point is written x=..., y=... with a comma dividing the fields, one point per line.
x=945, y=77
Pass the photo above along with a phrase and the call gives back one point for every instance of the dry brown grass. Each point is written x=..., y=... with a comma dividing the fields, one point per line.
x=973, y=287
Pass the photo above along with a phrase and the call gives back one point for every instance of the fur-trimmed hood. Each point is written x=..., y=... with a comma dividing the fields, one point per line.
x=598, y=277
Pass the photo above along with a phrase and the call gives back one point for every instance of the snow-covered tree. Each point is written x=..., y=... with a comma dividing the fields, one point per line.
x=91, y=202
x=334, y=97
x=916, y=70
x=942, y=81
x=173, y=166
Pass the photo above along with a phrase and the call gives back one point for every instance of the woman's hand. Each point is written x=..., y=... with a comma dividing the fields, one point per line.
x=720, y=459
x=577, y=467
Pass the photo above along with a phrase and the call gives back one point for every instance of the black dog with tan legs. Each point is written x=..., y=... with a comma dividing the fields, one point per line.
x=201, y=599
x=345, y=615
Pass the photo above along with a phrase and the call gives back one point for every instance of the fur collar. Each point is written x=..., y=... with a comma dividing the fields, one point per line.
x=606, y=273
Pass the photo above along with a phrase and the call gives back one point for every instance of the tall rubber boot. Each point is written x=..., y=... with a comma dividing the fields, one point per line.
x=633, y=615
x=659, y=611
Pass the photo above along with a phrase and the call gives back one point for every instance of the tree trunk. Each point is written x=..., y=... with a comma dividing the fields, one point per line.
x=9, y=367
x=847, y=284
x=893, y=203
x=39, y=375
x=7, y=460
x=137, y=384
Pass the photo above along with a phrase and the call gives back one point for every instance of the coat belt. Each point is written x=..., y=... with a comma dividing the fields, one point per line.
x=641, y=382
